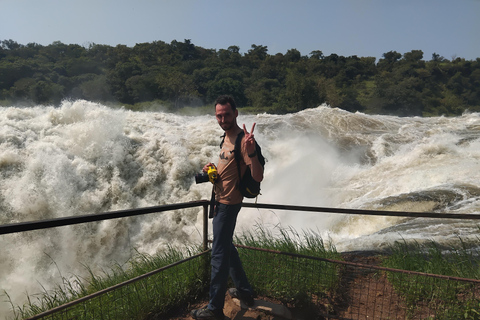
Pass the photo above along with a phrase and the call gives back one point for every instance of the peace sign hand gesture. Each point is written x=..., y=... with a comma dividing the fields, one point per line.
x=249, y=140
x=249, y=143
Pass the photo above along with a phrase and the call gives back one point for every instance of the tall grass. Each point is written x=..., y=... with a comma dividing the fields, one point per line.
x=283, y=277
x=291, y=279
x=452, y=299
x=155, y=294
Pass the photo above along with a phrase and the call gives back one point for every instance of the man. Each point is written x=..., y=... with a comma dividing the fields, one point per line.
x=225, y=259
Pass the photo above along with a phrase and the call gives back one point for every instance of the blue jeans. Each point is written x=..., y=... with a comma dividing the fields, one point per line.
x=225, y=259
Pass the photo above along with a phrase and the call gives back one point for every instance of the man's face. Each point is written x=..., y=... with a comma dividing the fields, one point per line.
x=226, y=117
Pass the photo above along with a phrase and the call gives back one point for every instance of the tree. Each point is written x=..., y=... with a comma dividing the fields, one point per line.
x=227, y=86
x=316, y=54
x=437, y=58
x=44, y=92
x=256, y=54
x=96, y=89
x=300, y=92
x=413, y=56
x=176, y=87
x=293, y=55
x=180, y=73
x=186, y=49
x=389, y=60
x=10, y=45
x=140, y=88
x=230, y=57
x=117, y=79
x=263, y=93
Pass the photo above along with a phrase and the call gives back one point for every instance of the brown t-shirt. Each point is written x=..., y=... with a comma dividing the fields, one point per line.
x=225, y=187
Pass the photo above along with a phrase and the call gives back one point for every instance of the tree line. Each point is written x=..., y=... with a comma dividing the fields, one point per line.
x=179, y=74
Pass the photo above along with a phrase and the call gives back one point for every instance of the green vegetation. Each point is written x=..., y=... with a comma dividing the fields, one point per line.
x=290, y=278
x=283, y=277
x=157, y=293
x=454, y=300
x=181, y=74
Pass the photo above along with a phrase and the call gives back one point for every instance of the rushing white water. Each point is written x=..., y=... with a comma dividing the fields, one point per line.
x=84, y=158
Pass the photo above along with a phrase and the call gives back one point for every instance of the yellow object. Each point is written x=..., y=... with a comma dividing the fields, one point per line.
x=212, y=174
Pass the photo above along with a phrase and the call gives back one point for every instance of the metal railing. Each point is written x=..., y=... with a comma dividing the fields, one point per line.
x=364, y=212
x=380, y=277
x=349, y=290
x=65, y=221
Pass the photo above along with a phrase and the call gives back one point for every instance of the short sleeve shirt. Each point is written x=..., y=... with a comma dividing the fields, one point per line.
x=226, y=190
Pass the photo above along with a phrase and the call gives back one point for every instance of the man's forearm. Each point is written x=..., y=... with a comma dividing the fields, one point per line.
x=256, y=170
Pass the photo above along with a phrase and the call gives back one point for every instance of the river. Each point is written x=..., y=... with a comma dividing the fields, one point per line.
x=83, y=158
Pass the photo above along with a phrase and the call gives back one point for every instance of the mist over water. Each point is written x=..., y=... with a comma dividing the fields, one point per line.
x=85, y=158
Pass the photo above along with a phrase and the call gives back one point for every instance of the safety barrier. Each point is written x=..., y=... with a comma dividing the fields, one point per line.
x=58, y=222
x=335, y=289
x=344, y=290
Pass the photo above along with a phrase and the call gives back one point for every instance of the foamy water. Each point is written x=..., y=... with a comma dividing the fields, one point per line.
x=84, y=158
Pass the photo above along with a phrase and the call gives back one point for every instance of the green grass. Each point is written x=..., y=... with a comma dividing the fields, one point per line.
x=291, y=279
x=279, y=276
x=451, y=299
x=156, y=294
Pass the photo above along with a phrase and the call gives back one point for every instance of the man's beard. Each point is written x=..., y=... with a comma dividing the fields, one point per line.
x=226, y=126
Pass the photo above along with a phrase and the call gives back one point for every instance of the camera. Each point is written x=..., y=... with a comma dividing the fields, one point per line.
x=211, y=175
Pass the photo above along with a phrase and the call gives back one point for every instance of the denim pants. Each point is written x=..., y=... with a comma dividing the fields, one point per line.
x=225, y=259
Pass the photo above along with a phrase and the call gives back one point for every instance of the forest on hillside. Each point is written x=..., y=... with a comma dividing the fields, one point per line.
x=180, y=74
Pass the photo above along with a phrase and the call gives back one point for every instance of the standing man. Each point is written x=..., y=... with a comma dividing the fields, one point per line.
x=225, y=259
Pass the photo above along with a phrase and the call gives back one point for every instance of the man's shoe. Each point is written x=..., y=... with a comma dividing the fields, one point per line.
x=206, y=314
x=245, y=297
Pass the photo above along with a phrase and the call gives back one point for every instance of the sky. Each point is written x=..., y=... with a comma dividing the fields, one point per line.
x=365, y=28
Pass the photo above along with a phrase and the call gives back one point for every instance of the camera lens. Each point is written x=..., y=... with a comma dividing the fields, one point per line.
x=201, y=177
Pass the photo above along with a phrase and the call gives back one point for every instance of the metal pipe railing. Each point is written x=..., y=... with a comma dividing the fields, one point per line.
x=205, y=226
x=359, y=265
x=65, y=221
x=365, y=212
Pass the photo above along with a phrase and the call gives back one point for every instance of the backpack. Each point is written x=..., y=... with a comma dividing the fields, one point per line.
x=249, y=188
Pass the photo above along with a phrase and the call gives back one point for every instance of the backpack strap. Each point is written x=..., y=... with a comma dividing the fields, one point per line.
x=223, y=140
x=238, y=153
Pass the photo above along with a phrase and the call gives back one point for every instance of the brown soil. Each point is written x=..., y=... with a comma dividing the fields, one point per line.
x=363, y=294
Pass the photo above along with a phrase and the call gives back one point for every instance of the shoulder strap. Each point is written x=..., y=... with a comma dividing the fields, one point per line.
x=223, y=140
x=238, y=153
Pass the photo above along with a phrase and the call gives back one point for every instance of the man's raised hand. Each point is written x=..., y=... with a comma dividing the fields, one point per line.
x=249, y=140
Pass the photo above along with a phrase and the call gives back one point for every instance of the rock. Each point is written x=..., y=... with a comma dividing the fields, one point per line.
x=234, y=309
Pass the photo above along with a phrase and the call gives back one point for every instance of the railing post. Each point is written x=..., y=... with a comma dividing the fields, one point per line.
x=206, y=258
x=205, y=227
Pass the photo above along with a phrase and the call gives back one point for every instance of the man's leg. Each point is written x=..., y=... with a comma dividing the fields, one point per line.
x=237, y=273
x=223, y=227
x=242, y=290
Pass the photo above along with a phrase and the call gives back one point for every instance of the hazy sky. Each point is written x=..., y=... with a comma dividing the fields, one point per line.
x=450, y=28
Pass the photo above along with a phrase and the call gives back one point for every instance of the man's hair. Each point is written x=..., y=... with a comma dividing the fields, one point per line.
x=224, y=99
